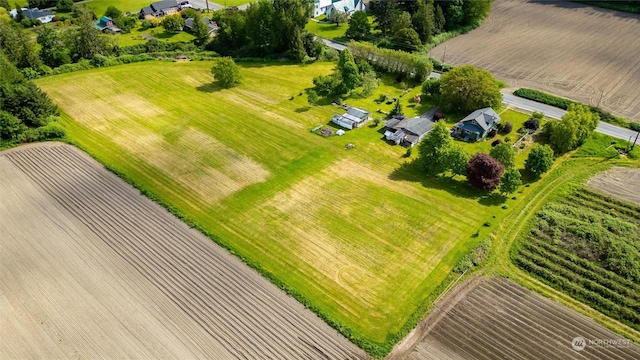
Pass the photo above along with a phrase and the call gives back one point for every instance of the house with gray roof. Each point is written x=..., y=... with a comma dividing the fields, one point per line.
x=352, y=119
x=163, y=8
x=476, y=125
x=44, y=16
x=409, y=131
x=212, y=26
x=346, y=6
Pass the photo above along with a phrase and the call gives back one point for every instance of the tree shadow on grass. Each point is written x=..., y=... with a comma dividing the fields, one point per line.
x=303, y=109
x=210, y=88
x=410, y=172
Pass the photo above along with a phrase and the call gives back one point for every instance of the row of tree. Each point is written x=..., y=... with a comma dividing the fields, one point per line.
x=413, y=23
x=400, y=63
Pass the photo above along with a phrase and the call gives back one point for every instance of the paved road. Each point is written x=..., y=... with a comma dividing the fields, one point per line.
x=202, y=4
x=529, y=105
x=334, y=44
x=555, y=113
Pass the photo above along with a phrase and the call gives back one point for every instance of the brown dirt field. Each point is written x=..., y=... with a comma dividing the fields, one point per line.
x=568, y=49
x=622, y=183
x=495, y=318
x=90, y=268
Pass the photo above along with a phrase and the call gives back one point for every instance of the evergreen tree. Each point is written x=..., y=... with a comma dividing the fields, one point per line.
x=422, y=20
x=384, y=12
x=439, y=21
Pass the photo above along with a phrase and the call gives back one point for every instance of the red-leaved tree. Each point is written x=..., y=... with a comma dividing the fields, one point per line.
x=484, y=172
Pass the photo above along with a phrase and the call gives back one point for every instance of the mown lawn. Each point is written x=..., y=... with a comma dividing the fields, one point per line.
x=361, y=234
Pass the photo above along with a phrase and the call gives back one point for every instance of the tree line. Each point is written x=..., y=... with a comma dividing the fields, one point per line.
x=266, y=27
x=407, y=25
x=26, y=113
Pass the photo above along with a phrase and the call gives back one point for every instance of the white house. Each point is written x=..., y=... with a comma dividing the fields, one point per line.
x=346, y=6
x=320, y=7
x=45, y=16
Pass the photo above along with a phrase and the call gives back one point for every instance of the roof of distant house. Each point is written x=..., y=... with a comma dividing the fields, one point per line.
x=35, y=13
x=486, y=118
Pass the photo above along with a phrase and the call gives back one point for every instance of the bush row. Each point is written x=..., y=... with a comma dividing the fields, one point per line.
x=594, y=300
x=605, y=287
x=563, y=103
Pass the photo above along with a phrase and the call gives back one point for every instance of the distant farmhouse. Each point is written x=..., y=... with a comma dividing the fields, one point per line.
x=211, y=25
x=45, y=16
x=163, y=8
x=409, y=131
x=106, y=25
x=352, y=119
x=476, y=125
x=346, y=6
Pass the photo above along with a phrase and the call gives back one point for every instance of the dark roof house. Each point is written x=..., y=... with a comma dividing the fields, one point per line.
x=106, y=24
x=45, y=16
x=212, y=25
x=352, y=119
x=476, y=125
x=409, y=131
x=161, y=8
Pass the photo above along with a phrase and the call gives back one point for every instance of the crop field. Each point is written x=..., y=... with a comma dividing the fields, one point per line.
x=588, y=246
x=91, y=268
x=495, y=318
x=361, y=237
x=584, y=53
x=619, y=182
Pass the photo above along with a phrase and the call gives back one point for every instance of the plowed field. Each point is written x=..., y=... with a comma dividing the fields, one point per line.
x=573, y=50
x=496, y=318
x=90, y=268
x=623, y=183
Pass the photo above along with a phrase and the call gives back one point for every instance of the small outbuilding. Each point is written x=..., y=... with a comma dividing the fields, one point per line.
x=106, y=25
x=353, y=118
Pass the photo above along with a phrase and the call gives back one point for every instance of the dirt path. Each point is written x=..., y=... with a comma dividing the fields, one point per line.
x=495, y=318
x=573, y=50
x=620, y=182
x=90, y=268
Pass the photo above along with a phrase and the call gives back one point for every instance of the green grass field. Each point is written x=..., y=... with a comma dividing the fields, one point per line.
x=326, y=30
x=359, y=233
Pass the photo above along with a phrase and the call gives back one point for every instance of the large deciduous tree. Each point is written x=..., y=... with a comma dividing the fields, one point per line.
x=467, y=88
x=540, y=160
x=511, y=180
x=173, y=23
x=433, y=150
x=475, y=11
x=113, y=12
x=359, y=26
x=505, y=154
x=337, y=17
x=484, y=172
x=64, y=5
x=52, y=51
x=407, y=39
x=226, y=73
x=574, y=129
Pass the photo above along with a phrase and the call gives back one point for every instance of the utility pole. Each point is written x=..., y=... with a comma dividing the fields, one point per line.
x=635, y=141
x=444, y=54
x=207, y=1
